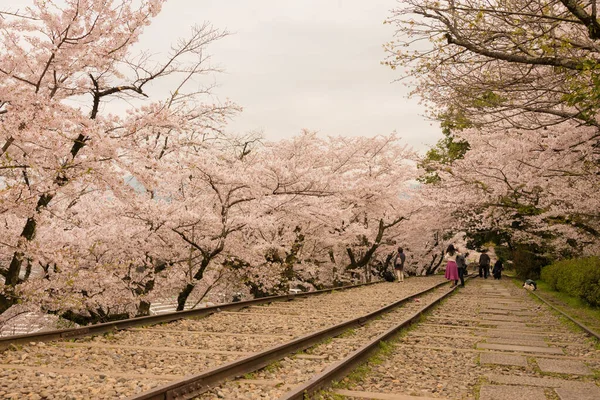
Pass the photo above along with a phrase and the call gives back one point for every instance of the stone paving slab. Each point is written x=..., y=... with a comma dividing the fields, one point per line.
x=545, y=328
x=496, y=311
x=497, y=298
x=535, y=381
x=489, y=331
x=525, y=349
x=519, y=342
x=564, y=366
x=503, y=325
x=498, y=392
x=579, y=392
x=470, y=350
x=482, y=321
x=532, y=335
x=509, y=318
x=503, y=359
x=524, y=313
x=506, y=307
x=381, y=396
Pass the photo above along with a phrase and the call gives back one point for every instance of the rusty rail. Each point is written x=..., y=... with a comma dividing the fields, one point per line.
x=586, y=329
x=192, y=386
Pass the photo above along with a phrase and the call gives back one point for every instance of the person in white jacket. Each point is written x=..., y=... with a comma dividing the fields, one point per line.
x=451, y=267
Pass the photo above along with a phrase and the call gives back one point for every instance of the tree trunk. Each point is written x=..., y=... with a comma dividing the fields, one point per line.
x=183, y=296
x=8, y=298
x=185, y=293
x=433, y=266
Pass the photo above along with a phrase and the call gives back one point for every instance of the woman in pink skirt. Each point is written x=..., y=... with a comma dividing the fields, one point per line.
x=451, y=268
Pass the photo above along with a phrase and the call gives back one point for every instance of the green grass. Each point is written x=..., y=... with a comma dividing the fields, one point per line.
x=480, y=382
x=349, y=333
x=273, y=367
x=14, y=347
x=325, y=395
x=109, y=336
x=532, y=363
x=571, y=304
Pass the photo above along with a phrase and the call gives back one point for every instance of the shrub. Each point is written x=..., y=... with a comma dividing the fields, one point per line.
x=578, y=277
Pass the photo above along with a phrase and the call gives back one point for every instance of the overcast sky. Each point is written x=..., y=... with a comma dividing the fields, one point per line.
x=295, y=64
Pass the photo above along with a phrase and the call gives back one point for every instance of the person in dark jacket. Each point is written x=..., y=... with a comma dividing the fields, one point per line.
x=399, y=264
x=497, y=270
x=461, y=263
x=484, y=264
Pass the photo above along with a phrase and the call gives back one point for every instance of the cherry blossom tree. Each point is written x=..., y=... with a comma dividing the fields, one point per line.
x=515, y=85
x=103, y=214
x=54, y=151
x=523, y=64
x=362, y=199
x=518, y=183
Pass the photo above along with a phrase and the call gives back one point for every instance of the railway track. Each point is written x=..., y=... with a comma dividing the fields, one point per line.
x=300, y=375
x=491, y=341
x=129, y=360
x=58, y=334
x=592, y=330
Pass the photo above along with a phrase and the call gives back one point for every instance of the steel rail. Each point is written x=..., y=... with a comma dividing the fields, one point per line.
x=69, y=333
x=193, y=386
x=586, y=329
x=340, y=369
x=576, y=322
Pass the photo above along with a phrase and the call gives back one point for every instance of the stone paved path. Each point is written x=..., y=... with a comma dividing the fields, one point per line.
x=490, y=341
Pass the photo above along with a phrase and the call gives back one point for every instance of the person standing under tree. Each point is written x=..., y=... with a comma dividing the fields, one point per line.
x=461, y=263
x=399, y=264
x=484, y=264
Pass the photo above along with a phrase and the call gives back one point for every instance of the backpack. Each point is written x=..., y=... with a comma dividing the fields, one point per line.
x=389, y=276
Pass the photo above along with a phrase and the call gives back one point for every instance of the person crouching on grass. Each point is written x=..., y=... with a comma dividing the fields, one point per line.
x=399, y=264
x=451, y=268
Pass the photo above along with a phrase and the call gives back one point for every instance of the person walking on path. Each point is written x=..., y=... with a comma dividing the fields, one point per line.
x=399, y=264
x=484, y=264
x=461, y=263
x=451, y=268
x=497, y=270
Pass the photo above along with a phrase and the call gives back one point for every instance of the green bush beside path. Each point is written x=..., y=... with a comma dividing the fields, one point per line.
x=579, y=277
